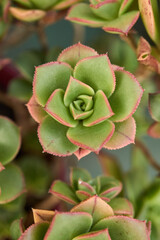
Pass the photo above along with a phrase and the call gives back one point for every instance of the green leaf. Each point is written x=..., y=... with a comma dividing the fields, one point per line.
x=25, y=3
x=35, y=232
x=106, y=10
x=16, y=229
x=74, y=89
x=52, y=136
x=95, y=206
x=78, y=173
x=55, y=108
x=44, y=4
x=64, y=4
x=124, y=228
x=27, y=15
x=102, y=110
x=98, y=235
x=11, y=184
x=49, y=77
x=125, y=6
x=123, y=135
x=96, y=72
x=21, y=89
x=66, y=226
x=81, y=13
x=75, y=53
x=92, y=138
x=126, y=97
x=122, y=24
x=63, y=191
x=9, y=140
x=154, y=103
x=121, y=206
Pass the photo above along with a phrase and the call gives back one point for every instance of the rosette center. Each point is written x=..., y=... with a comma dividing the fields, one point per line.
x=81, y=108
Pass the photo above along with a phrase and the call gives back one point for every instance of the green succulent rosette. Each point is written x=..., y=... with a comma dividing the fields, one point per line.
x=83, y=103
x=82, y=187
x=33, y=10
x=91, y=219
x=115, y=16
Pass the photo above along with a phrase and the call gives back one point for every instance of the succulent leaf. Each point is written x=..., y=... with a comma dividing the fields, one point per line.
x=154, y=103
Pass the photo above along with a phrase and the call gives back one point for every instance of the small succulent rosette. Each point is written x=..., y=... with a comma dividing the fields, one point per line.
x=82, y=187
x=83, y=103
x=115, y=16
x=33, y=10
x=154, y=109
x=90, y=220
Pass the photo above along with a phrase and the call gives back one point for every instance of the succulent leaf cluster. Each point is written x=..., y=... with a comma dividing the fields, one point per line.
x=91, y=219
x=83, y=103
x=113, y=16
x=82, y=187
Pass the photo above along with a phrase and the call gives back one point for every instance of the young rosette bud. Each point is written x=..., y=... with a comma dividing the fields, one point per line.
x=83, y=103
x=115, y=16
x=82, y=187
x=33, y=10
x=90, y=220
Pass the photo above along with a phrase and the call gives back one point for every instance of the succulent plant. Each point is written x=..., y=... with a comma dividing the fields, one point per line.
x=82, y=186
x=113, y=16
x=33, y=10
x=154, y=101
x=91, y=219
x=83, y=103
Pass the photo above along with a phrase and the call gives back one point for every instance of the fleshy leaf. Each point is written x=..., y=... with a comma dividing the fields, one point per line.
x=98, y=235
x=126, y=97
x=102, y=110
x=121, y=206
x=42, y=215
x=76, y=88
x=154, y=130
x=97, y=72
x=106, y=9
x=154, y=106
x=35, y=110
x=49, y=77
x=124, y=228
x=122, y=24
x=78, y=173
x=52, y=136
x=79, y=114
x=109, y=187
x=63, y=191
x=125, y=6
x=25, y=3
x=150, y=16
x=92, y=138
x=66, y=226
x=83, y=195
x=75, y=53
x=27, y=15
x=17, y=229
x=84, y=186
x=81, y=13
x=41, y=4
x=36, y=231
x=64, y=4
x=56, y=108
x=124, y=134
x=9, y=140
x=11, y=184
x=95, y=206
